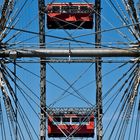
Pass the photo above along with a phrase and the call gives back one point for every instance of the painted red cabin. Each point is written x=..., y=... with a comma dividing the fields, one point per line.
x=71, y=124
x=69, y=16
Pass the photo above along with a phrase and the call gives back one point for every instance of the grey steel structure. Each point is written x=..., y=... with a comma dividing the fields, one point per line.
x=73, y=52
x=84, y=53
x=98, y=67
x=41, y=6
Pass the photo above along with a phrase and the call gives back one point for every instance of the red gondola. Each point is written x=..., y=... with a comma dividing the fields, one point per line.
x=71, y=123
x=69, y=16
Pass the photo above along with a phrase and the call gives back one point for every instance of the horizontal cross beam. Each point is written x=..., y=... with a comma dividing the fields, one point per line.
x=71, y=110
x=73, y=52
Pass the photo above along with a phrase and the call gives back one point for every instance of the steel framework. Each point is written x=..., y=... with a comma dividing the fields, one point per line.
x=41, y=6
x=98, y=68
x=73, y=52
x=59, y=54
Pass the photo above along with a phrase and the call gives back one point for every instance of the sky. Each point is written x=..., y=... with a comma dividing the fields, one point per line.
x=61, y=75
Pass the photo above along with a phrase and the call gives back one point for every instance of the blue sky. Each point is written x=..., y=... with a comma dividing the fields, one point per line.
x=29, y=72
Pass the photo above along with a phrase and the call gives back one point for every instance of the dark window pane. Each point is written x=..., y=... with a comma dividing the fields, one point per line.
x=73, y=9
x=55, y=9
x=85, y=9
x=65, y=9
x=66, y=119
x=75, y=120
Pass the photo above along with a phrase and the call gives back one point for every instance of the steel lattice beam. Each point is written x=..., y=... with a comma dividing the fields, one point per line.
x=98, y=68
x=71, y=110
x=41, y=6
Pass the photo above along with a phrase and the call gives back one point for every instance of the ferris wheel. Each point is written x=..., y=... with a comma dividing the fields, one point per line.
x=69, y=69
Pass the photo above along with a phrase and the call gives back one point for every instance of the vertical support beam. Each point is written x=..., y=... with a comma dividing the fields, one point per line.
x=98, y=67
x=41, y=5
x=16, y=107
